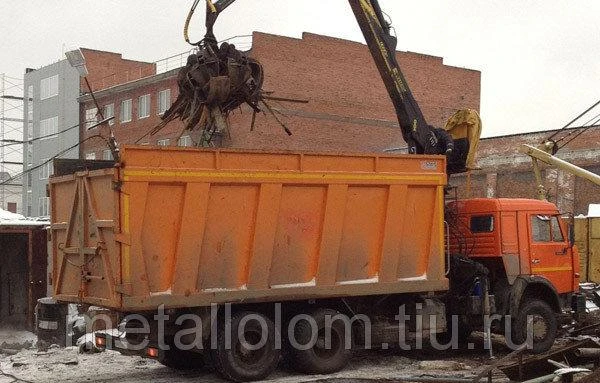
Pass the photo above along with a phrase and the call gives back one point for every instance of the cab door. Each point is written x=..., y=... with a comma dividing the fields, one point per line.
x=550, y=253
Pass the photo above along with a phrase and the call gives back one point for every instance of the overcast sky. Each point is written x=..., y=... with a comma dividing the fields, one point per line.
x=539, y=60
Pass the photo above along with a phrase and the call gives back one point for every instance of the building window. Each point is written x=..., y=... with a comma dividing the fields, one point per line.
x=46, y=169
x=90, y=156
x=164, y=142
x=184, y=141
x=49, y=127
x=144, y=106
x=164, y=100
x=109, y=111
x=29, y=153
x=49, y=87
x=107, y=155
x=125, y=111
x=44, y=203
x=91, y=117
x=29, y=203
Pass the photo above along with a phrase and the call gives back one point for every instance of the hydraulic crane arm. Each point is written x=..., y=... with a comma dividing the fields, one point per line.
x=545, y=157
x=382, y=45
x=458, y=140
x=460, y=137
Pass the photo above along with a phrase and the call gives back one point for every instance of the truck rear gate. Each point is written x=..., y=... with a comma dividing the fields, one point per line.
x=190, y=227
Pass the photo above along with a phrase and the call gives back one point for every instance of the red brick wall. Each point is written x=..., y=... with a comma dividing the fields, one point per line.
x=348, y=108
x=108, y=68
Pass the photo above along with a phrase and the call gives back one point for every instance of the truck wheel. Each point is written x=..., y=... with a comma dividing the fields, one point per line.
x=544, y=327
x=320, y=359
x=252, y=356
x=180, y=359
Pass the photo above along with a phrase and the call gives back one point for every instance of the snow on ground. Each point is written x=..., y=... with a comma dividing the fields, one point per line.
x=67, y=365
x=16, y=339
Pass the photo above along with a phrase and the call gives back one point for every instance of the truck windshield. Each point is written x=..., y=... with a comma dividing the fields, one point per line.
x=546, y=228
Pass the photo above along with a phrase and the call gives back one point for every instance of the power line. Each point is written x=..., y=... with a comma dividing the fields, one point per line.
x=575, y=119
x=54, y=134
x=19, y=175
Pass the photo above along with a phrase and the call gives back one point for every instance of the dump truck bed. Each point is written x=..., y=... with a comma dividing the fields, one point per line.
x=189, y=227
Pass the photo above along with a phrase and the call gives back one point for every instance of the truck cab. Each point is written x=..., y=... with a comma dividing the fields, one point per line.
x=533, y=267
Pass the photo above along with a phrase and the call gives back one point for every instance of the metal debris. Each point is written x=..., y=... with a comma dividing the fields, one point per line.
x=214, y=82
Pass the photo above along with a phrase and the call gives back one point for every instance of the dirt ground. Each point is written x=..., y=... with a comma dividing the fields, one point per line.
x=67, y=365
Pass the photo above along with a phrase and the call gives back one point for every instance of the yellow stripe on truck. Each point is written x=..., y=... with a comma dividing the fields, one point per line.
x=550, y=269
x=128, y=174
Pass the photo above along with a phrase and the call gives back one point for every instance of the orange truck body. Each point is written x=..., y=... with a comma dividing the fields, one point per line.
x=190, y=227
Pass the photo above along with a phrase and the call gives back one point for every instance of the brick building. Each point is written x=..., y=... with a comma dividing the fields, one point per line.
x=504, y=172
x=51, y=115
x=348, y=108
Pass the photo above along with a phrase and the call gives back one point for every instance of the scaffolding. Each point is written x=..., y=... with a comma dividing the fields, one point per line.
x=11, y=142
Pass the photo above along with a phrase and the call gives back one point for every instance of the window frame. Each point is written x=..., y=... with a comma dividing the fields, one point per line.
x=43, y=206
x=122, y=118
x=49, y=87
x=105, y=110
x=47, y=130
x=187, y=141
x=91, y=120
x=147, y=106
x=491, y=224
x=46, y=169
x=550, y=229
x=164, y=97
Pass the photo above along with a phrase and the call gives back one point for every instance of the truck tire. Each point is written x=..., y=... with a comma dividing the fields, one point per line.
x=238, y=362
x=320, y=359
x=180, y=359
x=545, y=325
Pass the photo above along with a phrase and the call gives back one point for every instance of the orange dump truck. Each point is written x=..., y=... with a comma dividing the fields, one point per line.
x=272, y=246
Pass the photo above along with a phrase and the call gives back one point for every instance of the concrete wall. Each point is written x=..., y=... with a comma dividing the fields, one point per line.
x=65, y=106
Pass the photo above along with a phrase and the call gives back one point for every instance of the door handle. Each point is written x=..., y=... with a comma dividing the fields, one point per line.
x=563, y=252
x=535, y=261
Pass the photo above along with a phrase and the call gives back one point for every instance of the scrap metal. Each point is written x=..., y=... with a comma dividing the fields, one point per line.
x=215, y=81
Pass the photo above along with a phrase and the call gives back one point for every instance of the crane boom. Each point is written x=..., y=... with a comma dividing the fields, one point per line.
x=540, y=155
x=382, y=45
x=457, y=140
